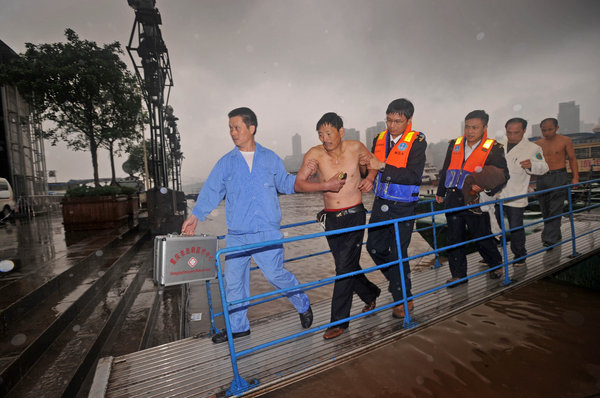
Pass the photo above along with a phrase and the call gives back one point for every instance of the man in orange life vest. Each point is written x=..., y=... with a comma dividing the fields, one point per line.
x=466, y=155
x=399, y=157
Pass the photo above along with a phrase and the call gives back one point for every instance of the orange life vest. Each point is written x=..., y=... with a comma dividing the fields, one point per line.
x=459, y=169
x=397, y=157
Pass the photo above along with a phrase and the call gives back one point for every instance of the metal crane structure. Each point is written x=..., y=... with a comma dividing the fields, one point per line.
x=153, y=70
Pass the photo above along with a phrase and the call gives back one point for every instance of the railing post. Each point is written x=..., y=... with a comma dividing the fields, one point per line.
x=504, y=249
x=573, y=244
x=407, y=321
x=238, y=385
x=436, y=264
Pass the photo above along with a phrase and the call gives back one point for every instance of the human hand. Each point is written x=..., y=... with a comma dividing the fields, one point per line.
x=439, y=199
x=335, y=184
x=476, y=188
x=369, y=160
x=574, y=180
x=366, y=185
x=189, y=225
x=526, y=164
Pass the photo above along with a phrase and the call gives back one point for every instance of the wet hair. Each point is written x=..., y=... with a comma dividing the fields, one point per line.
x=248, y=116
x=401, y=106
x=550, y=119
x=332, y=119
x=479, y=114
x=517, y=120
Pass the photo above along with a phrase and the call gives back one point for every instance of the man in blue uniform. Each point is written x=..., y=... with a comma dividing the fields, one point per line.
x=248, y=178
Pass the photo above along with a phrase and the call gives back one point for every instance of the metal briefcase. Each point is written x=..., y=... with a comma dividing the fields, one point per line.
x=181, y=259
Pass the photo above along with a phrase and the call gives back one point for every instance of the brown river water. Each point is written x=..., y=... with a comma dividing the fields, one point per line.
x=542, y=340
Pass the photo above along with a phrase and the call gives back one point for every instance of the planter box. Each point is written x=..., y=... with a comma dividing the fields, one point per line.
x=95, y=212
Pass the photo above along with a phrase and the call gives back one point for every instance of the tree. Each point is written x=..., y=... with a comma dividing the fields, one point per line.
x=86, y=90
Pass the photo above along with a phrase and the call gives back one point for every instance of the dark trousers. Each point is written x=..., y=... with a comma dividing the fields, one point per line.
x=346, y=250
x=515, y=220
x=552, y=203
x=381, y=243
x=479, y=225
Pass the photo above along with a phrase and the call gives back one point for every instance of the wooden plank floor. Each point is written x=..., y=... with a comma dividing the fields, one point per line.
x=198, y=368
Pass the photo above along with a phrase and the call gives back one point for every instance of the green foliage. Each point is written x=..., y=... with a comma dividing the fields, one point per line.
x=85, y=90
x=107, y=190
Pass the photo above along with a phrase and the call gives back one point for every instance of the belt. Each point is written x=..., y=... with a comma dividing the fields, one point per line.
x=351, y=210
x=563, y=170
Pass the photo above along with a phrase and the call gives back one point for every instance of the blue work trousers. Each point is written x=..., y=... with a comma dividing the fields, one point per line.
x=270, y=261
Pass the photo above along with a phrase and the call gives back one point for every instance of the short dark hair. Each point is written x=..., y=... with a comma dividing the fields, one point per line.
x=517, y=120
x=401, y=106
x=332, y=119
x=248, y=116
x=550, y=119
x=479, y=114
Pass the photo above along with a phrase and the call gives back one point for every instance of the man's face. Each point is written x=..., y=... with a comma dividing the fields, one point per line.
x=241, y=135
x=396, y=123
x=474, y=129
x=330, y=136
x=548, y=129
x=514, y=132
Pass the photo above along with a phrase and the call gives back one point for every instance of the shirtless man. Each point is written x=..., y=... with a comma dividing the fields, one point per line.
x=557, y=148
x=336, y=163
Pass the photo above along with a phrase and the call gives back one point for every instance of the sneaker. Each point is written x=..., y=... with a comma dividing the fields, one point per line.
x=221, y=337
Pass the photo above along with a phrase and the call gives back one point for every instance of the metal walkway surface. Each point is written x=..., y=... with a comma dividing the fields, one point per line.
x=198, y=368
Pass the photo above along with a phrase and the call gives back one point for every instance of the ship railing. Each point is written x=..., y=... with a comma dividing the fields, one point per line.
x=239, y=385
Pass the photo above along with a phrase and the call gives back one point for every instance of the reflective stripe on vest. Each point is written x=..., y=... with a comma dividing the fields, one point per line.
x=457, y=172
x=397, y=157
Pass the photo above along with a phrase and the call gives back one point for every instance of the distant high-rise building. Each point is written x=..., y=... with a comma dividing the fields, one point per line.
x=351, y=134
x=568, y=117
x=371, y=133
x=296, y=145
x=536, y=130
x=585, y=127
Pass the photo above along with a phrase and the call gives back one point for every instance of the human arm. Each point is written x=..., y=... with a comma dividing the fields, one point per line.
x=212, y=193
x=310, y=165
x=536, y=164
x=496, y=158
x=364, y=159
x=441, y=190
x=572, y=160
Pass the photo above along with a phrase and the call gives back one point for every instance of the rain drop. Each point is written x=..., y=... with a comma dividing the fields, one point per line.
x=517, y=107
x=163, y=190
x=18, y=339
x=286, y=233
x=480, y=36
x=249, y=48
x=289, y=84
x=373, y=251
x=420, y=380
x=76, y=328
x=6, y=266
x=100, y=273
x=384, y=208
x=99, y=253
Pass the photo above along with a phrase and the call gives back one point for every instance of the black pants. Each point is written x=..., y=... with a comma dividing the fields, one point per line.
x=479, y=225
x=381, y=243
x=346, y=250
x=515, y=220
x=552, y=203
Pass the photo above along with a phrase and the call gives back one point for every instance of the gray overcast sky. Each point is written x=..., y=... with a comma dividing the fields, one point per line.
x=292, y=61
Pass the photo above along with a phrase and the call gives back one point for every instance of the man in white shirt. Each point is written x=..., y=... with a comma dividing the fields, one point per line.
x=524, y=159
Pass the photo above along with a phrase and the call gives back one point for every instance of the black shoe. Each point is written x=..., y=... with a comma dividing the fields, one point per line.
x=519, y=263
x=454, y=279
x=221, y=337
x=306, y=318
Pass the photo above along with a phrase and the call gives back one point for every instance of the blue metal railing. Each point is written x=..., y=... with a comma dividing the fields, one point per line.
x=239, y=385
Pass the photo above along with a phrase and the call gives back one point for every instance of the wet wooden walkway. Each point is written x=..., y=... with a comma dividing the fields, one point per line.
x=198, y=368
